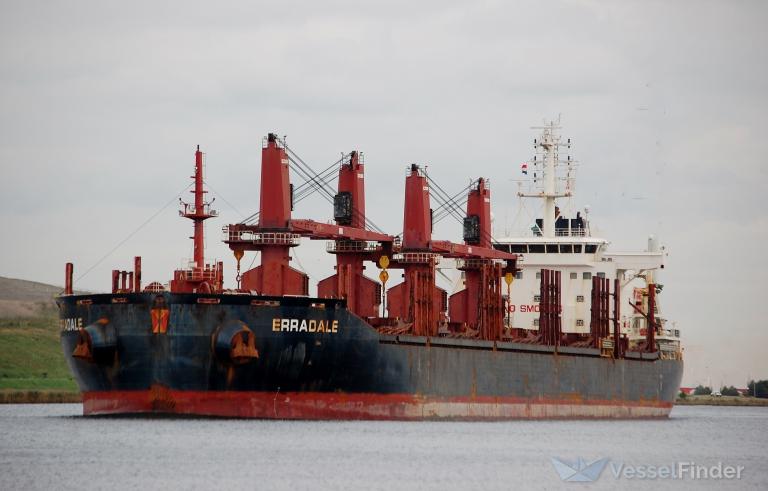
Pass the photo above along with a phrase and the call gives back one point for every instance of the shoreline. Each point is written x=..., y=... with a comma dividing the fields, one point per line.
x=33, y=396
x=722, y=401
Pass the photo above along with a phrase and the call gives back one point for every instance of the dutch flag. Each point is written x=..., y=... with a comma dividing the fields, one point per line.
x=524, y=168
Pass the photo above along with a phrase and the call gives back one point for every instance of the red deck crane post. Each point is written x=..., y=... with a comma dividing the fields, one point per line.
x=363, y=295
x=276, y=232
x=479, y=306
x=273, y=235
x=417, y=299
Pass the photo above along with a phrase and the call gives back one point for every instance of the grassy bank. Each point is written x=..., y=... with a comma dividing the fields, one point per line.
x=38, y=396
x=31, y=361
x=721, y=401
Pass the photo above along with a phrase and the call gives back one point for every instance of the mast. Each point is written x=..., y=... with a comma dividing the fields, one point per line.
x=201, y=212
x=198, y=276
x=549, y=142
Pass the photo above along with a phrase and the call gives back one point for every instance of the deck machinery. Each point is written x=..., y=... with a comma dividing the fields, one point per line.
x=417, y=305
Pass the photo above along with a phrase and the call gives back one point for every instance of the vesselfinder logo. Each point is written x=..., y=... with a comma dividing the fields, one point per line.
x=583, y=471
x=579, y=471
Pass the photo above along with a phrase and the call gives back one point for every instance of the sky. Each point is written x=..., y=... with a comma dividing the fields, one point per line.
x=103, y=104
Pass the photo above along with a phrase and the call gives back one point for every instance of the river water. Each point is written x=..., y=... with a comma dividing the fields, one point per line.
x=54, y=447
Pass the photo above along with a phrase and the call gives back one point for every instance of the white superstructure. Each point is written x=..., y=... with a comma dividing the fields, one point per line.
x=566, y=244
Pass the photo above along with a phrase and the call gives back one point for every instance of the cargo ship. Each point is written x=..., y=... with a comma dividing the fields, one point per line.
x=266, y=348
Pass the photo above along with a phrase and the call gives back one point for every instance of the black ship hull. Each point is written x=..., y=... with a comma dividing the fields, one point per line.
x=312, y=359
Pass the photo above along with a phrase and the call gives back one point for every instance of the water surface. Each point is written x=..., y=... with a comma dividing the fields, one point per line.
x=53, y=447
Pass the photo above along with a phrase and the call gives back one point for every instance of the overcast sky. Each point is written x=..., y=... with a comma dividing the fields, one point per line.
x=103, y=104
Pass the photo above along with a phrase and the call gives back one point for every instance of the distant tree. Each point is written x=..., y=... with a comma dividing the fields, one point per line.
x=682, y=395
x=729, y=391
x=758, y=389
x=700, y=390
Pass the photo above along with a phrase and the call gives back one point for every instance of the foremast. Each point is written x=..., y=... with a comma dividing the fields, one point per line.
x=198, y=276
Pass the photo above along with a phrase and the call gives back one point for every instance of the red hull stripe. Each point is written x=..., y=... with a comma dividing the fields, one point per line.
x=323, y=405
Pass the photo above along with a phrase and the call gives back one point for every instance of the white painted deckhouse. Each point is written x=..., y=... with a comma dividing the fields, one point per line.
x=566, y=244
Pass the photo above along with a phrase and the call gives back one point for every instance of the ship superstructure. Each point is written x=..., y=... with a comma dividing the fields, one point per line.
x=588, y=269
x=270, y=348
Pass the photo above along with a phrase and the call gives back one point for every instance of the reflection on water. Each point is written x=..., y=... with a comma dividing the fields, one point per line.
x=53, y=447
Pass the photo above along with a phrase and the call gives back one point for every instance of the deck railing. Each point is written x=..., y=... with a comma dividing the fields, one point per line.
x=235, y=235
x=352, y=246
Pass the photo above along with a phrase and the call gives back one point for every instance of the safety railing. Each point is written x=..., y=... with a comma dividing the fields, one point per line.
x=189, y=209
x=199, y=274
x=416, y=257
x=237, y=235
x=535, y=231
x=278, y=142
x=670, y=351
x=570, y=232
x=476, y=263
x=341, y=246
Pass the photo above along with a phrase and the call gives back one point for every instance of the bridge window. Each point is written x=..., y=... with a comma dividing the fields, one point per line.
x=501, y=247
x=535, y=248
x=566, y=248
x=577, y=248
x=590, y=248
x=552, y=248
x=519, y=248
